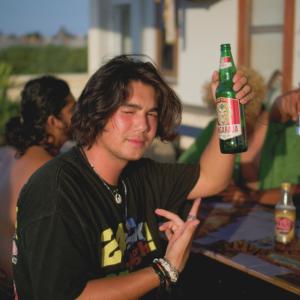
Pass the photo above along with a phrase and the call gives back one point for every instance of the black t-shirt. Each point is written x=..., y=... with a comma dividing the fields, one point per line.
x=70, y=230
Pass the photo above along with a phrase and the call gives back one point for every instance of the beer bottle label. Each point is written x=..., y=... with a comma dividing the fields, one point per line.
x=225, y=62
x=284, y=225
x=229, y=119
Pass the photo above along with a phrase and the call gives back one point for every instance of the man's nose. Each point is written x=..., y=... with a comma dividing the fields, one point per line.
x=142, y=123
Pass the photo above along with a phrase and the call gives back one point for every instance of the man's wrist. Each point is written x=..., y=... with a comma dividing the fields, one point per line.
x=167, y=273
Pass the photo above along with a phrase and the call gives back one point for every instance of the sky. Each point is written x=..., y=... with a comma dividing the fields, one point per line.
x=45, y=16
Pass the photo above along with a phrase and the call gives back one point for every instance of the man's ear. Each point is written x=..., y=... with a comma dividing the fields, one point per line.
x=54, y=123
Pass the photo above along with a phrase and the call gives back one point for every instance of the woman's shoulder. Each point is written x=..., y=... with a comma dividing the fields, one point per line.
x=35, y=157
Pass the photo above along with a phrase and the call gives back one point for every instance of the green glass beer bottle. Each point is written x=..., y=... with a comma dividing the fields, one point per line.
x=231, y=116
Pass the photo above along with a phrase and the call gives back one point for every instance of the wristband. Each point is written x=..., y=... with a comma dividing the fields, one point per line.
x=160, y=273
x=171, y=271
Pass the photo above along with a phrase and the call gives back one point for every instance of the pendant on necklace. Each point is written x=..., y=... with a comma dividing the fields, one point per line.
x=118, y=198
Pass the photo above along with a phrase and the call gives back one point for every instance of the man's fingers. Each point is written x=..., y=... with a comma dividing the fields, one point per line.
x=189, y=230
x=169, y=234
x=243, y=92
x=238, y=75
x=169, y=215
x=194, y=210
x=165, y=226
x=215, y=77
x=240, y=84
x=214, y=83
x=170, y=225
x=247, y=98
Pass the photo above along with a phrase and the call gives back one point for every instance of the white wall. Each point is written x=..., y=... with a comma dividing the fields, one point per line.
x=97, y=34
x=296, y=65
x=205, y=29
x=148, y=45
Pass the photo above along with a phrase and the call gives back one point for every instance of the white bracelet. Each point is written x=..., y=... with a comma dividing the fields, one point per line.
x=173, y=274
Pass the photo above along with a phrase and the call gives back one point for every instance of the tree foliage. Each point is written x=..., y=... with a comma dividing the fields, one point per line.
x=7, y=107
x=45, y=59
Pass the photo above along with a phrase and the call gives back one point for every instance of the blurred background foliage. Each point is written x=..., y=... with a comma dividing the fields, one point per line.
x=30, y=59
x=25, y=59
x=8, y=108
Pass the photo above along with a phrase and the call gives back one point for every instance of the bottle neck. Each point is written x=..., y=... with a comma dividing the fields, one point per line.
x=227, y=67
x=286, y=198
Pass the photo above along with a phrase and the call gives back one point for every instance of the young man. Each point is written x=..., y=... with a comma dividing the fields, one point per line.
x=33, y=138
x=88, y=220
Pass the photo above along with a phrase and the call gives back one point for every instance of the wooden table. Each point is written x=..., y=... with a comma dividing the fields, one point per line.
x=242, y=237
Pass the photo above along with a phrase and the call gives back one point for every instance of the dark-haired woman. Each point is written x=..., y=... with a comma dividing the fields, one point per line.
x=33, y=138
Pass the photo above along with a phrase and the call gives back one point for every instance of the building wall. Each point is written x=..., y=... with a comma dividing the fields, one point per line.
x=205, y=29
x=296, y=66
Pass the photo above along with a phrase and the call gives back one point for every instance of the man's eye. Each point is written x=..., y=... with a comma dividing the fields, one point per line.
x=128, y=111
x=152, y=114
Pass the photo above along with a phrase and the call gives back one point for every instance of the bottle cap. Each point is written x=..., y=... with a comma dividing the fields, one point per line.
x=225, y=46
x=286, y=186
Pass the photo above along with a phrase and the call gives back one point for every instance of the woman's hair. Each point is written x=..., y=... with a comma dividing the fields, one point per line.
x=40, y=98
x=259, y=88
x=109, y=88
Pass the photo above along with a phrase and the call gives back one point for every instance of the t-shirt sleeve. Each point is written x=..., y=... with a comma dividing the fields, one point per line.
x=174, y=182
x=56, y=257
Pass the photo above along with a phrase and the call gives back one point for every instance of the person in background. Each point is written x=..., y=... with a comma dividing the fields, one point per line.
x=278, y=156
x=88, y=222
x=273, y=148
x=280, y=153
x=273, y=88
x=33, y=138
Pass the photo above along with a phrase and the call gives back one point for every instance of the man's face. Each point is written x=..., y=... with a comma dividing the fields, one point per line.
x=132, y=128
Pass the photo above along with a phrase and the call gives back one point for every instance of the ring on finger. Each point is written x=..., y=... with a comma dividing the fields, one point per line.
x=191, y=218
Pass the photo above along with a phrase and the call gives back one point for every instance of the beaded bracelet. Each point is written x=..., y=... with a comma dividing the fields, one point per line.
x=161, y=275
x=171, y=271
x=168, y=275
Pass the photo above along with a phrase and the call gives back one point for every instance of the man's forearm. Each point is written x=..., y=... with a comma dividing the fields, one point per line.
x=130, y=286
x=215, y=170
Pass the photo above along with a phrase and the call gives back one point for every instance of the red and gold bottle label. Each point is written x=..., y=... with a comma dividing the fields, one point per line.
x=284, y=225
x=229, y=119
x=225, y=62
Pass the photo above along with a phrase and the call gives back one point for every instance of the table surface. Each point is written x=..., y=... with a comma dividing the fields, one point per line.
x=242, y=236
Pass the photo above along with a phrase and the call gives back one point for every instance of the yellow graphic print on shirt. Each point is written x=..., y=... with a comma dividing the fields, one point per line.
x=135, y=243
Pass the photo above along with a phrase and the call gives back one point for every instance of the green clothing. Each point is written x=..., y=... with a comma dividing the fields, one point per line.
x=280, y=156
x=192, y=154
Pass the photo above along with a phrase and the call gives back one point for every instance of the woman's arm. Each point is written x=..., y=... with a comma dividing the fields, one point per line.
x=286, y=107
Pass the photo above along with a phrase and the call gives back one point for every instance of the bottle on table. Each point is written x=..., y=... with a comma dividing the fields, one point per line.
x=285, y=216
x=231, y=116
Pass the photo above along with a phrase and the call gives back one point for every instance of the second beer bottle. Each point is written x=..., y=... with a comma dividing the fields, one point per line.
x=231, y=116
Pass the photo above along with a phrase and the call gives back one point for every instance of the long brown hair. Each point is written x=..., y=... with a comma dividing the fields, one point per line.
x=108, y=89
